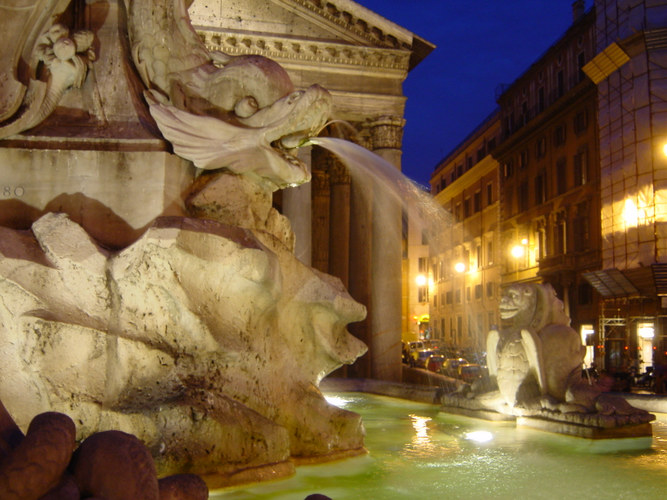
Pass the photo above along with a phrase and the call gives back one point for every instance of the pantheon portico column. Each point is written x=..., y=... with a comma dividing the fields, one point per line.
x=386, y=233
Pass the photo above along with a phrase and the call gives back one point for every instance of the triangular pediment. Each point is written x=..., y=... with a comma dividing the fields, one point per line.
x=334, y=22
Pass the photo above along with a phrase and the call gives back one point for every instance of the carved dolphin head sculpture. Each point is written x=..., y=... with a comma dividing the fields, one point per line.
x=241, y=113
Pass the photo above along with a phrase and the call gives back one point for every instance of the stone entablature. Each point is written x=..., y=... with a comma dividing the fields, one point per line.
x=308, y=52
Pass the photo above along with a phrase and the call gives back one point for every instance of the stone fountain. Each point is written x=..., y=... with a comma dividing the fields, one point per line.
x=150, y=286
x=535, y=363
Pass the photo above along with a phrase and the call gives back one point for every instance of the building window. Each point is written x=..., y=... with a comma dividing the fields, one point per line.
x=457, y=212
x=561, y=175
x=541, y=188
x=581, y=226
x=540, y=100
x=560, y=84
x=560, y=232
x=489, y=193
x=581, y=122
x=509, y=203
x=581, y=62
x=448, y=296
x=480, y=154
x=459, y=325
x=458, y=296
x=559, y=135
x=489, y=252
x=478, y=256
x=541, y=147
x=523, y=196
x=585, y=294
x=508, y=169
x=422, y=265
x=478, y=291
x=523, y=159
x=467, y=294
x=466, y=208
x=489, y=289
x=459, y=170
x=422, y=291
x=491, y=144
x=477, y=201
x=581, y=168
x=469, y=163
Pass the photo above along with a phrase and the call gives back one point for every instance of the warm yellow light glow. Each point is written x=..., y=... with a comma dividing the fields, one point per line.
x=524, y=241
x=479, y=436
x=664, y=149
x=518, y=251
x=630, y=213
x=459, y=267
x=645, y=330
x=421, y=280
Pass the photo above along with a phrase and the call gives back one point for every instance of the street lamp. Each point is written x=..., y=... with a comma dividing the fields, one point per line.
x=519, y=250
x=459, y=267
x=421, y=280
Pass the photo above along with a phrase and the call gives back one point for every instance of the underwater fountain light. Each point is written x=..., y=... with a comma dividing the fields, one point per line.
x=479, y=436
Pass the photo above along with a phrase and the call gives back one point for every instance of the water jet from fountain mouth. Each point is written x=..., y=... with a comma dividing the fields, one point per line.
x=372, y=171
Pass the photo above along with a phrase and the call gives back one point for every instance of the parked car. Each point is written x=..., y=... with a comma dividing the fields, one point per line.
x=451, y=366
x=418, y=358
x=435, y=362
x=469, y=372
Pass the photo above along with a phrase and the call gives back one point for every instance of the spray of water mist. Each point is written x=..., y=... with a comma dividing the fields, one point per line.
x=372, y=171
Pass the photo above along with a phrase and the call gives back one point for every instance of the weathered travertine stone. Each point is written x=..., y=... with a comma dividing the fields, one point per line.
x=535, y=360
x=197, y=338
x=204, y=337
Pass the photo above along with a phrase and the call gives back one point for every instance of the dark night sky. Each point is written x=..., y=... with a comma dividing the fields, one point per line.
x=480, y=44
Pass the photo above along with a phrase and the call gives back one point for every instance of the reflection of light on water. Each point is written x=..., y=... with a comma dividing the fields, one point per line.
x=479, y=436
x=420, y=444
x=338, y=401
x=420, y=426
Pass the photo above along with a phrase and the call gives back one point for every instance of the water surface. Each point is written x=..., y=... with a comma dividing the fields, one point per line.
x=415, y=452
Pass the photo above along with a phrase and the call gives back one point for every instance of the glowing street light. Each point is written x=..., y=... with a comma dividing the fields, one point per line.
x=421, y=280
x=518, y=251
x=459, y=267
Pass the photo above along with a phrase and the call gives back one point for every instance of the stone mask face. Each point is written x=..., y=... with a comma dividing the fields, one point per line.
x=518, y=305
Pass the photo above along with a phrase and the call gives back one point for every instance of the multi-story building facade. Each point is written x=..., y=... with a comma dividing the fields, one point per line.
x=631, y=79
x=549, y=176
x=416, y=280
x=465, y=265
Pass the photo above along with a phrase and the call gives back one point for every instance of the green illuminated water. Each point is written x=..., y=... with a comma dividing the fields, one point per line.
x=417, y=452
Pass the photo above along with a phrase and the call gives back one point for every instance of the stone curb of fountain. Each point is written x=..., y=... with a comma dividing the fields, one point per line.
x=420, y=393
x=654, y=403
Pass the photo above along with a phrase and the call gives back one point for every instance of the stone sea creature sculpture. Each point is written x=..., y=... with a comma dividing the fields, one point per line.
x=241, y=113
x=535, y=360
x=57, y=61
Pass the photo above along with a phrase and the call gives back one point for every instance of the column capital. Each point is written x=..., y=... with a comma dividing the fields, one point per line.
x=386, y=132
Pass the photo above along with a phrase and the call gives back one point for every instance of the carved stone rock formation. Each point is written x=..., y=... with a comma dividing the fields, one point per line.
x=198, y=339
x=203, y=336
x=536, y=360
